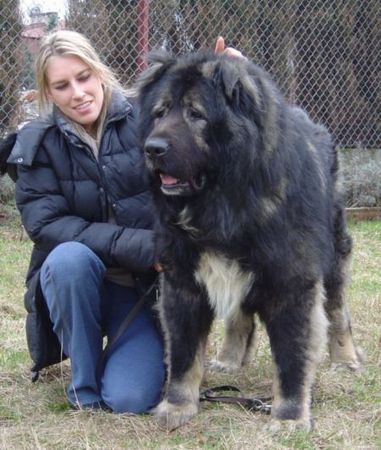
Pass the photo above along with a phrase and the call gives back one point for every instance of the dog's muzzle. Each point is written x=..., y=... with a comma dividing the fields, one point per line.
x=155, y=149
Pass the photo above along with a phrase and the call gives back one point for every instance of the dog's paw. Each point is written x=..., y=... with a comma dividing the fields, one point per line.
x=172, y=416
x=277, y=426
x=353, y=363
x=223, y=366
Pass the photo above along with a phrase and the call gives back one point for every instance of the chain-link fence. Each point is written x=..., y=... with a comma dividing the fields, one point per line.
x=325, y=54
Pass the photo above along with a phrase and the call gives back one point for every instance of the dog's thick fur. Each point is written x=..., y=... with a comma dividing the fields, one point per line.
x=250, y=222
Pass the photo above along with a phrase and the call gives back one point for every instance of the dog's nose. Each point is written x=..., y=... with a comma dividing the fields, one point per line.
x=156, y=146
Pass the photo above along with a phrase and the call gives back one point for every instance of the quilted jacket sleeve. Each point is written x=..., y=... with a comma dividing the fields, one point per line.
x=47, y=218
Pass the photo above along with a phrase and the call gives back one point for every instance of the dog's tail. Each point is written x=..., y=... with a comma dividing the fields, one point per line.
x=6, y=146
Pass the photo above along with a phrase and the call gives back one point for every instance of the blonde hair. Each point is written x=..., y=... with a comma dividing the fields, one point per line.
x=66, y=42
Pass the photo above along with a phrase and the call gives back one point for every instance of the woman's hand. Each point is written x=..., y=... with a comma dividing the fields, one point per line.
x=158, y=267
x=229, y=51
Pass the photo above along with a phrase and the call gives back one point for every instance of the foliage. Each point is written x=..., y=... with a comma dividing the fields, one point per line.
x=7, y=190
x=361, y=176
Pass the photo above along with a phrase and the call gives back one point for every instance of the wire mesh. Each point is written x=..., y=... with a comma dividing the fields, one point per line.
x=324, y=54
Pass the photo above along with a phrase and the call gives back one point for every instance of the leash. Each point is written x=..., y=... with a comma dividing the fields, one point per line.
x=254, y=404
x=122, y=328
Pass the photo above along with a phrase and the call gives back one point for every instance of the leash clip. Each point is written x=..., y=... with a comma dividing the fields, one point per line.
x=258, y=404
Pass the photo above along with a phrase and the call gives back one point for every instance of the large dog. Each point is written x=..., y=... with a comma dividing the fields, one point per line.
x=250, y=221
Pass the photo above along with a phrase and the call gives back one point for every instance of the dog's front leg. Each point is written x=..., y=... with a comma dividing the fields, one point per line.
x=298, y=334
x=186, y=318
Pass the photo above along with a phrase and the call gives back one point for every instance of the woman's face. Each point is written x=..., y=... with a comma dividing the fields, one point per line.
x=75, y=89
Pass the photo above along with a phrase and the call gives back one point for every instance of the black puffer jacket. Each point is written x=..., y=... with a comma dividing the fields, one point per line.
x=64, y=194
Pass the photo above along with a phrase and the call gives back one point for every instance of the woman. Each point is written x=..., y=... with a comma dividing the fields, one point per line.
x=85, y=205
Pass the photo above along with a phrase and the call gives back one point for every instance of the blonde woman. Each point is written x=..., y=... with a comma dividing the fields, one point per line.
x=85, y=205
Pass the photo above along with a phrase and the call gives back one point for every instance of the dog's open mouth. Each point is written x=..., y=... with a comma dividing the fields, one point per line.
x=175, y=186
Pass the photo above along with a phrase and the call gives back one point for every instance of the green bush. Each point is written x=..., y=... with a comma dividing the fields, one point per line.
x=361, y=177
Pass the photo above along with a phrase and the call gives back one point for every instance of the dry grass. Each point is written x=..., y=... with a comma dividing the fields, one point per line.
x=347, y=406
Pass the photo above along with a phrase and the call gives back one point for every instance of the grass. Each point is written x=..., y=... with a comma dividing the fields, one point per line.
x=347, y=407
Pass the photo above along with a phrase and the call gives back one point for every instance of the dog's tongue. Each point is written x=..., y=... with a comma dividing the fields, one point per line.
x=168, y=179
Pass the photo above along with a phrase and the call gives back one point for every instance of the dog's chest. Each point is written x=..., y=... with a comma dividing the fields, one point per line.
x=226, y=283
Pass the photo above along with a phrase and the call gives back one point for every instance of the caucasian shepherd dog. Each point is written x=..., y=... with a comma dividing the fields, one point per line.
x=250, y=221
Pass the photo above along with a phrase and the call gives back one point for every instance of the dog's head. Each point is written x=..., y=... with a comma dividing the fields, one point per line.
x=199, y=114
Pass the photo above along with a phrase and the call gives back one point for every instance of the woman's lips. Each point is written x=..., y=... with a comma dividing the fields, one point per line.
x=83, y=107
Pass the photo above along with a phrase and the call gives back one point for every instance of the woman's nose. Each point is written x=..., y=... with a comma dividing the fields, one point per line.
x=77, y=91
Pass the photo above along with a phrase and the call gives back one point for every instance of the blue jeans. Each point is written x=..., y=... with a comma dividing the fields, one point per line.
x=84, y=307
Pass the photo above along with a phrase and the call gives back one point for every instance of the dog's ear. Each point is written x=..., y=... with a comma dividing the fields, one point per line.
x=159, y=61
x=226, y=77
x=240, y=91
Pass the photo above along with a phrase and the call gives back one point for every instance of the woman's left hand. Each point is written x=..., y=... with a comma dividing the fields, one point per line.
x=158, y=267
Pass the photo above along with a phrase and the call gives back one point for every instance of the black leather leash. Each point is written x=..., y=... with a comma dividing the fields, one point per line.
x=217, y=394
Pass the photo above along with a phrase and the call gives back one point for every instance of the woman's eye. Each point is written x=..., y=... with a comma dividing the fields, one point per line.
x=61, y=87
x=84, y=77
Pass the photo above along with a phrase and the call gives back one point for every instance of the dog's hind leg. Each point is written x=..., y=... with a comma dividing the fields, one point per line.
x=343, y=351
x=235, y=351
x=186, y=318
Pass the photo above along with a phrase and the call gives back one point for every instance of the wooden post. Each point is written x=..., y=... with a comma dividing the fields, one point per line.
x=143, y=31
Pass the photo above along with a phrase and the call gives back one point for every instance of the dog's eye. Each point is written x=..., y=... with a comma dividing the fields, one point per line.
x=194, y=114
x=159, y=113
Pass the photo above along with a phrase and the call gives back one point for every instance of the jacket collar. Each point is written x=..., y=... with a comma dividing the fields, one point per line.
x=119, y=107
